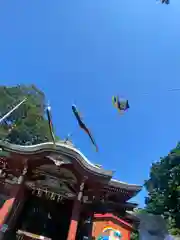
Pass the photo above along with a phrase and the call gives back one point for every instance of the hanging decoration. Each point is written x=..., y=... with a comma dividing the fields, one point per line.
x=48, y=112
x=122, y=105
x=83, y=126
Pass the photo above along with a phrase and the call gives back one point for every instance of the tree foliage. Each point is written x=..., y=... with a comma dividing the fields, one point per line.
x=163, y=188
x=134, y=236
x=27, y=125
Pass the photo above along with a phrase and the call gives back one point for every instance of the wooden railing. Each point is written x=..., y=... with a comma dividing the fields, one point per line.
x=23, y=235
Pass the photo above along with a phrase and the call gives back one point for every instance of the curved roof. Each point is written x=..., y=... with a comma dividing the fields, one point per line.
x=124, y=185
x=74, y=153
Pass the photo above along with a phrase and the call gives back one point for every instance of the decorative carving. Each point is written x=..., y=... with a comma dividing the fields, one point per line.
x=25, y=169
x=69, y=142
x=24, y=172
x=82, y=186
x=59, y=159
x=80, y=194
x=3, y=170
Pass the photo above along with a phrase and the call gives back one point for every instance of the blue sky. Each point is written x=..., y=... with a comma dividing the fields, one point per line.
x=86, y=51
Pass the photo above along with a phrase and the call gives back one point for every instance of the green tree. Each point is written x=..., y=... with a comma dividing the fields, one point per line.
x=163, y=188
x=27, y=125
x=134, y=235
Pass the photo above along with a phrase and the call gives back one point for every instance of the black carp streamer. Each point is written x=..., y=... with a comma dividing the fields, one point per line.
x=83, y=126
x=48, y=112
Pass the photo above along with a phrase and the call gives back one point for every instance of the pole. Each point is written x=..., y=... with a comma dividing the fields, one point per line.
x=12, y=110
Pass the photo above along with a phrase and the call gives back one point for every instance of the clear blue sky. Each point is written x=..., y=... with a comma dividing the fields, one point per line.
x=86, y=51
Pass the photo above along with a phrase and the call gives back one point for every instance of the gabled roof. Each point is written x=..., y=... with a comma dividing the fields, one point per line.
x=70, y=151
x=61, y=148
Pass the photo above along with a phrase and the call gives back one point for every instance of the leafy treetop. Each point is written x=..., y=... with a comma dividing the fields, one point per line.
x=163, y=187
x=27, y=125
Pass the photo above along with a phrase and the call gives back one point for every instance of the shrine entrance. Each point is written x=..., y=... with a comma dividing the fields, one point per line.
x=45, y=217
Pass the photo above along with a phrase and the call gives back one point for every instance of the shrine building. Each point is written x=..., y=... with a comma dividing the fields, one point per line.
x=53, y=192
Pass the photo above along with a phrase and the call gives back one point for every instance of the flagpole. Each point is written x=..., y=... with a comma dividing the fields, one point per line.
x=12, y=110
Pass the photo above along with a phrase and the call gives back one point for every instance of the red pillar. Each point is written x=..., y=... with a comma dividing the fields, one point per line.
x=6, y=214
x=74, y=220
x=7, y=206
x=75, y=214
x=16, y=193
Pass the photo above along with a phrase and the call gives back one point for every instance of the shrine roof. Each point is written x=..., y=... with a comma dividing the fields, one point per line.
x=67, y=149
x=124, y=185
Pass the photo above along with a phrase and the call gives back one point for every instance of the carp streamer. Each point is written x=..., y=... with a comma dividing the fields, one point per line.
x=48, y=112
x=120, y=104
x=83, y=126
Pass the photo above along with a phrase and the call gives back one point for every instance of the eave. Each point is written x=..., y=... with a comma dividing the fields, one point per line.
x=69, y=151
x=122, y=189
x=61, y=148
x=126, y=186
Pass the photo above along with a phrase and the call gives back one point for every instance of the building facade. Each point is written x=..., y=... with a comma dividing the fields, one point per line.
x=54, y=192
